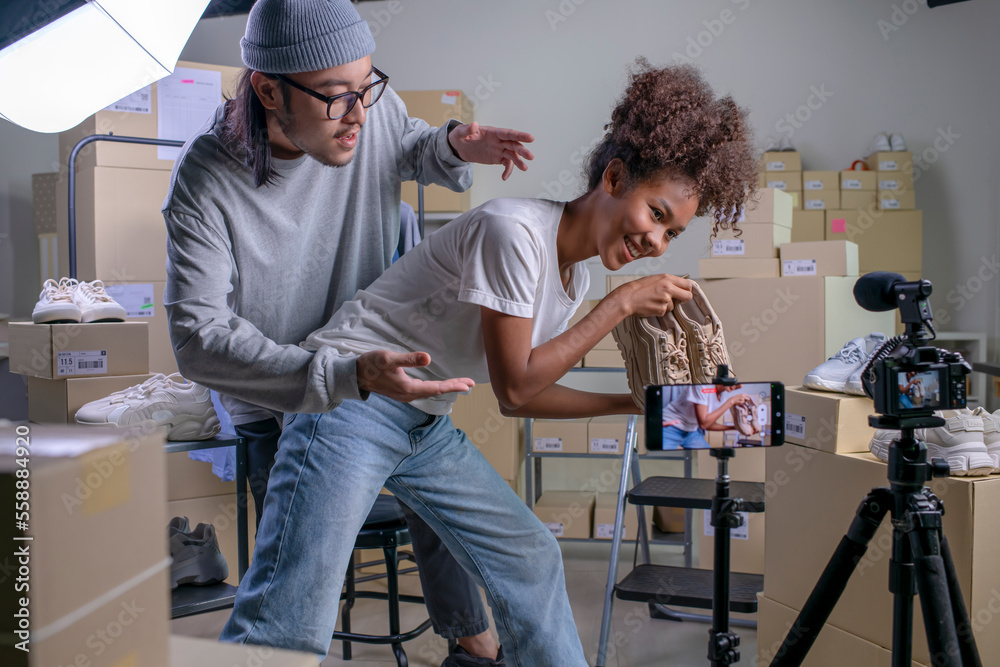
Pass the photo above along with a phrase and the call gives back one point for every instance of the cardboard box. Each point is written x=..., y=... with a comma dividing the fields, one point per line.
x=496, y=436
x=821, y=180
x=887, y=240
x=761, y=179
x=746, y=542
x=815, y=200
x=781, y=328
x=616, y=280
x=144, y=303
x=669, y=519
x=56, y=401
x=783, y=180
x=140, y=121
x=194, y=652
x=796, y=196
x=813, y=500
x=819, y=258
x=890, y=161
x=187, y=479
x=566, y=513
x=896, y=201
x=560, y=436
x=88, y=485
x=738, y=268
x=120, y=234
x=753, y=240
x=808, y=225
x=828, y=421
x=606, y=343
x=437, y=107
x=899, y=181
x=59, y=351
x=605, y=508
x=769, y=205
x=852, y=179
x=781, y=161
x=221, y=512
x=606, y=435
x=858, y=199
x=43, y=202
x=603, y=359
x=833, y=647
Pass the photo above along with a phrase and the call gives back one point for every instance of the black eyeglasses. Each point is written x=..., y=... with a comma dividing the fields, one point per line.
x=340, y=105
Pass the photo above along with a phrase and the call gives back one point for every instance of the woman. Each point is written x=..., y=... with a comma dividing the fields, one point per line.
x=489, y=297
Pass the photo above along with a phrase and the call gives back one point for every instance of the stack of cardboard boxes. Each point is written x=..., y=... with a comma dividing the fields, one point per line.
x=782, y=170
x=752, y=251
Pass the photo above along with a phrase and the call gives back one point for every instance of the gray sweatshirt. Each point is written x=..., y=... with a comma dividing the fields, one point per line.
x=252, y=271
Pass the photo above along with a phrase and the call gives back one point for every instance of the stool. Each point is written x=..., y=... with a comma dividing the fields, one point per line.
x=385, y=528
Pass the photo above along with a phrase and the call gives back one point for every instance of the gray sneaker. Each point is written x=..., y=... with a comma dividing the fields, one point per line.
x=832, y=374
x=655, y=353
x=196, y=555
x=873, y=341
x=458, y=657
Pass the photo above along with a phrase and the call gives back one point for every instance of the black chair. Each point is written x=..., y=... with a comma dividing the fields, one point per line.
x=385, y=528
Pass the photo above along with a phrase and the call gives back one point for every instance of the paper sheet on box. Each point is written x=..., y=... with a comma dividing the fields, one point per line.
x=185, y=100
x=137, y=299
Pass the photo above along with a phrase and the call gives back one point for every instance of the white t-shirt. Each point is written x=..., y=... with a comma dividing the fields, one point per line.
x=501, y=255
x=679, y=406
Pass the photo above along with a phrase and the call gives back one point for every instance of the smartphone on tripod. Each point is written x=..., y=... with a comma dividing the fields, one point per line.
x=714, y=416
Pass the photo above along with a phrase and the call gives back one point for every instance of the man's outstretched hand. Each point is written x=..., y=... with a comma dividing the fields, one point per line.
x=492, y=145
x=382, y=372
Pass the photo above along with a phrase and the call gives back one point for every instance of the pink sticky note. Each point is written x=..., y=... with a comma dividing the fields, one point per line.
x=838, y=225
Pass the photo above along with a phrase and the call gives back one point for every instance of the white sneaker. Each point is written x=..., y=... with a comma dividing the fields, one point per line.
x=95, y=304
x=872, y=342
x=183, y=406
x=832, y=374
x=959, y=442
x=55, y=303
x=786, y=145
x=880, y=144
x=896, y=142
x=991, y=434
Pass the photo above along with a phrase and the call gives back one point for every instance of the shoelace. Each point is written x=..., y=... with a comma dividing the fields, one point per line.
x=142, y=390
x=55, y=291
x=850, y=353
x=94, y=291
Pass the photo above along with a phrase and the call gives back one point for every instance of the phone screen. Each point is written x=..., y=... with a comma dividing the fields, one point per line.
x=704, y=416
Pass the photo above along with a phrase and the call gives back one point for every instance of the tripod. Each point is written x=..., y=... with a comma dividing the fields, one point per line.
x=921, y=561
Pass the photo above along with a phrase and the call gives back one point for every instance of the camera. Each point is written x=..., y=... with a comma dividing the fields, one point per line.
x=905, y=377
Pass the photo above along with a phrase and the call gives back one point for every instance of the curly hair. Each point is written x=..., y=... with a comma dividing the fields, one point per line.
x=669, y=120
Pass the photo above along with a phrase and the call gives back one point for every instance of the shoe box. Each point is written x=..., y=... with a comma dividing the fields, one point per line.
x=605, y=508
x=560, y=436
x=221, y=512
x=833, y=647
x=754, y=267
x=796, y=196
x=890, y=200
x=437, y=107
x=499, y=438
x=890, y=161
x=566, y=513
x=809, y=225
x=603, y=359
x=59, y=351
x=887, y=240
x=778, y=329
x=769, y=206
x=97, y=556
x=858, y=199
x=813, y=181
x=828, y=421
x=143, y=302
x=606, y=435
x=194, y=652
x=608, y=342
x=820, y=200
x=781, y=161
x=753, y=240
x=819, y=258
x=852, y=180
x=812, y=498
x=140, y=115
x=56, y=401
x=895, y=181
x=120, y=234
x=668, y=519
x=783, y=180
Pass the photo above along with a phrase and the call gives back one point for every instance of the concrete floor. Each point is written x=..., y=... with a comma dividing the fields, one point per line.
x=641, y=641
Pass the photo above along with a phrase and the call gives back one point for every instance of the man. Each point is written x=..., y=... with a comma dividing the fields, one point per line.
x=278, y=212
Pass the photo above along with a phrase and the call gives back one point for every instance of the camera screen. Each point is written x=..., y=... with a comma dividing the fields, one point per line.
x=918, y=390
x=704, y=416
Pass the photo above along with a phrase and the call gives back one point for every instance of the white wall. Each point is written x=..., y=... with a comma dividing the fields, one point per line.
x=554, y=68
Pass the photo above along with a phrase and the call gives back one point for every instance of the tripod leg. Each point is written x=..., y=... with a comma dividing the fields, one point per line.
x=966, y=640
x=832, y=582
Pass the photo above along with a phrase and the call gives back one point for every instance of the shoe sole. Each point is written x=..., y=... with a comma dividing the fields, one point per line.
x=963, y=460
x=821, y=384
x=197, y=571
x=190, y=428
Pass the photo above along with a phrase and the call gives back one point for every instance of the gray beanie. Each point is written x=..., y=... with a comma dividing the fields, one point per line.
x=289, y=36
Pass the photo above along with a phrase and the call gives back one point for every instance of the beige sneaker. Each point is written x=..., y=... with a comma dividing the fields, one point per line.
x=706, y=343
x=655, y=353
x=959, y=442
x=991, y=434
x=745, y=417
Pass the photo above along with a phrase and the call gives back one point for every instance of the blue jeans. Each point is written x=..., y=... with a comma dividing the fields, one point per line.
x=675, y=438
x=328, y=471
